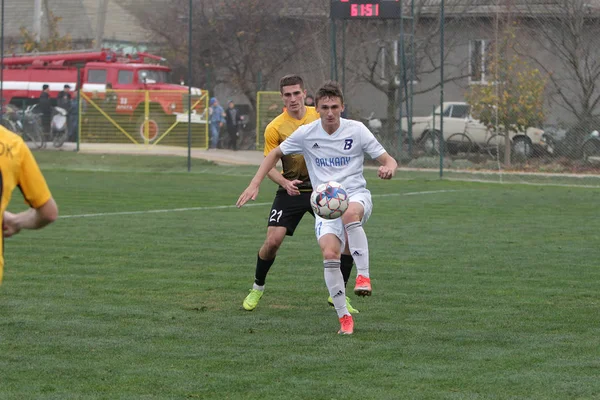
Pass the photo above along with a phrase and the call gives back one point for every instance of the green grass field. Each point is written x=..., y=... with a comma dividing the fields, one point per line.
x=480, y=291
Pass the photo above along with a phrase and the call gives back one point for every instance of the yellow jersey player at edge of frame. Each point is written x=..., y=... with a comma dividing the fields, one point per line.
x=18, y=168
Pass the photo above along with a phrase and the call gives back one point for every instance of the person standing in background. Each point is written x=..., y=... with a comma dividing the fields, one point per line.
x=64, y=98
x=216, y=120
x=232, y=119
x=45, y=108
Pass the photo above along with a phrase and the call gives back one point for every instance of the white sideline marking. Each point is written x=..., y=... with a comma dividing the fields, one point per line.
x=159, y=211
x=110, y=214
x=567, y=185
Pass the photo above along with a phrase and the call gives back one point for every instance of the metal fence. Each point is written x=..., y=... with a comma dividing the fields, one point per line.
x=142, y=117
x=268, y=106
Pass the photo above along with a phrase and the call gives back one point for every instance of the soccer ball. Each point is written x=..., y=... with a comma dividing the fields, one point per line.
x=329, y=200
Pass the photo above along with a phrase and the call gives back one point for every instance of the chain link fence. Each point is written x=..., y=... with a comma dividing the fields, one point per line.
x=150, y=117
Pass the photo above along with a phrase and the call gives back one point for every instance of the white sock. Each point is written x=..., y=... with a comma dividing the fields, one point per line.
x=335, y=283
x=359, y=247
x=256, y=287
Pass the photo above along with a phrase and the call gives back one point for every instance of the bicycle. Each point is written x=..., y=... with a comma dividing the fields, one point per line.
x=25, y=123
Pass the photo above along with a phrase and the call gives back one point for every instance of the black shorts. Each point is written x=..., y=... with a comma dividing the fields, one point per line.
x=288, y=210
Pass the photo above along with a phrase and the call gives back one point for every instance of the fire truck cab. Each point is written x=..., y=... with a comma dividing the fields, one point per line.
x=140, y=88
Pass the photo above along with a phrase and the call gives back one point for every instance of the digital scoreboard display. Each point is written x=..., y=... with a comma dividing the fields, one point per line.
x=366, y=9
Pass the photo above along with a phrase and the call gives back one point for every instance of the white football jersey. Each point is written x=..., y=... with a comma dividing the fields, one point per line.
x=337, y=157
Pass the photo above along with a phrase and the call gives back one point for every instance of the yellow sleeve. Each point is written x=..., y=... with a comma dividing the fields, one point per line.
x=31, y=181
x=271, y=139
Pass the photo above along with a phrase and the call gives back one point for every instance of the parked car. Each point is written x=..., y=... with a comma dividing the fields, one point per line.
x=554, y=136
x=464, y=133
x=590, y=149
x=576, y=141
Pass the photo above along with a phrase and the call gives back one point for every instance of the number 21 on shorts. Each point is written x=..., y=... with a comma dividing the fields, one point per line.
x=275, y=215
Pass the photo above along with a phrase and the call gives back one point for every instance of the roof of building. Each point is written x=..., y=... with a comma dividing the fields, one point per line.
x=78, y=18
x=493, y=7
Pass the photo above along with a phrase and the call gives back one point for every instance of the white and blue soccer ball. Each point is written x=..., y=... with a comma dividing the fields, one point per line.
x=329, y=200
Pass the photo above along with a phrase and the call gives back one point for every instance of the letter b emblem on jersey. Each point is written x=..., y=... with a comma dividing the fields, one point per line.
x=347, y=144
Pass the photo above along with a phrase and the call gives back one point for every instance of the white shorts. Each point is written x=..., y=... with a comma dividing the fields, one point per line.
x=336, y=226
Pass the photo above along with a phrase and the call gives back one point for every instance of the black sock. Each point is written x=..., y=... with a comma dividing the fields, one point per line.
x=346, y=267
x=262, y=269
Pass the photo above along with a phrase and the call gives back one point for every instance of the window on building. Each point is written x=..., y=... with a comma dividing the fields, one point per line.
x=125, y=77
x=97, y=76
x=480, y=55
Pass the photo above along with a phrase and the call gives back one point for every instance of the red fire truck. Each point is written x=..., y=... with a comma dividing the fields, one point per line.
x=141, y=88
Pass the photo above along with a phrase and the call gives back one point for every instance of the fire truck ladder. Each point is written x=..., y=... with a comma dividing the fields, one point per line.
x=70, y=57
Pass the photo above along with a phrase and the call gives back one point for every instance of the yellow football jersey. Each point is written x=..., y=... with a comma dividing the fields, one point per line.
x=280, y=129
x=18, y=168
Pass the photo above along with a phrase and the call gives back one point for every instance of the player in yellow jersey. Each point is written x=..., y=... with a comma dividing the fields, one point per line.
x=292, y=199
x=19, y=168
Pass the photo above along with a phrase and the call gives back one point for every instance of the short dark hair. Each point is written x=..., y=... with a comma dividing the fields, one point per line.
x=45, y=86
x=67, y=86
x=329, y=89
x=290, y=80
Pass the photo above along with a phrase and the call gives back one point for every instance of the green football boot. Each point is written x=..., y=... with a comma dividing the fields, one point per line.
x=351, y=309
x=251, y=301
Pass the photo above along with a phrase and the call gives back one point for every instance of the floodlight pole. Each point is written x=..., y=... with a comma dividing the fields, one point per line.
x=189, y=162
x=441, y=139
x=333, y=66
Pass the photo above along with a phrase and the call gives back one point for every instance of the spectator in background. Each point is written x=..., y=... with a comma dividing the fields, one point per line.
x=233, y=119
x=45, y=108
x=64, y=98
x=309, y=100
x=111, y=96
x=215, y=120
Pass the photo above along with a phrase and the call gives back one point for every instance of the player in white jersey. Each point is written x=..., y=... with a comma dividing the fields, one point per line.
x=334, y=149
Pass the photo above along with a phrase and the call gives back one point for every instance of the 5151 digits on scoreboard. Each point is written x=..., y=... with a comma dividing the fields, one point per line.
x=366, y=9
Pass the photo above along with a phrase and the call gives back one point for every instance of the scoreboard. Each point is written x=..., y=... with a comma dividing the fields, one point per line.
x=366, y=9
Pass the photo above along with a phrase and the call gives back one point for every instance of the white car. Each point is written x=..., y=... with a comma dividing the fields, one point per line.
x=463, y=133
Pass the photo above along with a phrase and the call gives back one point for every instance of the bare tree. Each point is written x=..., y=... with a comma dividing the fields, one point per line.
x=244, y=44
x=380, y=62
x=566, y=37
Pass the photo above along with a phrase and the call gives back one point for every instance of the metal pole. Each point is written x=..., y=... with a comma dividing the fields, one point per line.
x=189, y=160
x=79, y=105
x=344, y=56
x=333, y=72
x=412, y=77
x=400, y=76
x=441, y=89
x=346, y=109
x=37, y=20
